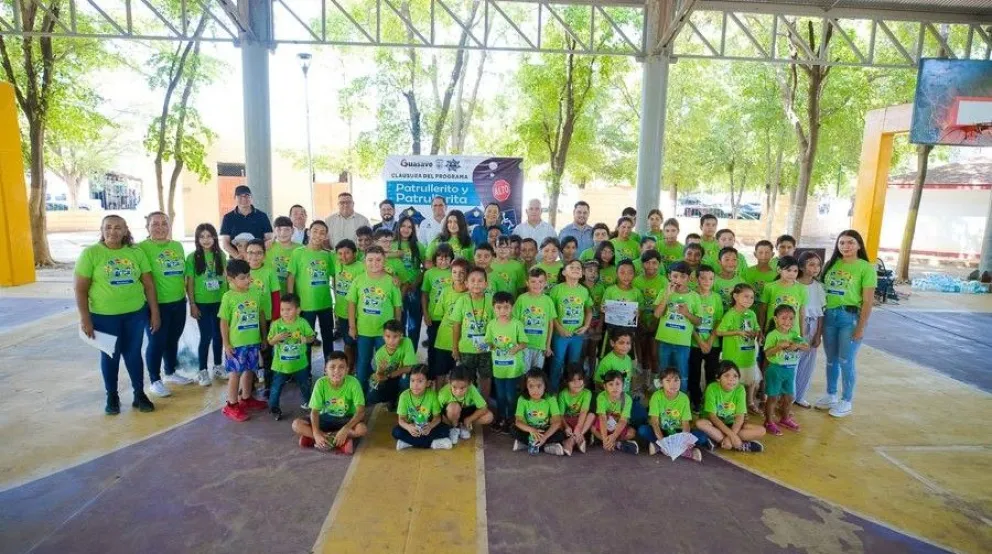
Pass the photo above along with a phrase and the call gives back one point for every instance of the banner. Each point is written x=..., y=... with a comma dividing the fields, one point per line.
x=467, y=183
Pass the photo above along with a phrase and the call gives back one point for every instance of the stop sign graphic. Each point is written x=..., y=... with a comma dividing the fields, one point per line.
x=501, y=190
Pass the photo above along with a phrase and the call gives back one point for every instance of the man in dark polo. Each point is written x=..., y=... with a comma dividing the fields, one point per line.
x=244, y=219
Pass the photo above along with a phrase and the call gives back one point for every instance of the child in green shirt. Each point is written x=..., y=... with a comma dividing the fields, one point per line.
x=536, y=311
x=574, y=402
x=290, y=337
x=783, y=348
x=613, y=412
x=444, y=361
x=761, y=273
x=625, y=246
x=391, y=362
x=651, y=282
x=470, y=317
x=507, y=337
x=538, y=423
x=711, y=247
x=346, y=269
x=669, y=413
x=677, y=308
x=310, y=270
x=435, y=280
x=722, y=418
x=266, y=284
x=550, y=250
x=670, y=248
x=462, y=406
x=205, y=286
x=337, y=410
x=509, y=270
x=727, y=239
x=244, y=321
x=740, y=334
x=705, y=352
x=373, y=299
x=594, y=336
x=280, y=252
x=727, y=277
x=573, y=306
x=419, y=416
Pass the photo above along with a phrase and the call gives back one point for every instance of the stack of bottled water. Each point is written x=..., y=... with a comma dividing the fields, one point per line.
x=939, y=282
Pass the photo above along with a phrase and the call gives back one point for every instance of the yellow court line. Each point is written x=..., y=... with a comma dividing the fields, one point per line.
x=481, y=519
x=413, y=501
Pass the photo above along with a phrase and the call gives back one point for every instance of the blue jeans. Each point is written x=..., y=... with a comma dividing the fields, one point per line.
x=302, y=378
x=506, y=398
x=678, y=356
x=646, y=434
x=129, y=329
x=431, y=338
x=413, y=315
x=325, y=318
x=565, y=350
x=163, y=345
x=209, y=326
x=342, y=323
x=363, y=359
x=838, y=326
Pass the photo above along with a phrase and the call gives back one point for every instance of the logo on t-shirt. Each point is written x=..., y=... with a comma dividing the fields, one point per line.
x=282, y=266
x=343, y=282
x=725, y=410
x=170, y=262
x=536, y=417
x=535, y=320
x=572, y=312
x=318, y=272
x=501, y=353
x=372, y=300
x=247, y=315
x=121, y=271
x=836, y=282
x=335, y=406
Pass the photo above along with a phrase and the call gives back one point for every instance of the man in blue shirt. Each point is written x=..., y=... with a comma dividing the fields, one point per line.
x=245, y=218
x=579, y=228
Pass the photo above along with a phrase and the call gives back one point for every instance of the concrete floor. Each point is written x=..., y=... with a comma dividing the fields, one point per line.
x=902, y=474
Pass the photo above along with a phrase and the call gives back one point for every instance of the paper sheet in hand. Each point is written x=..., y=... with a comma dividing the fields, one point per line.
x=620, y=313
x=103, y=342
x=674, y=445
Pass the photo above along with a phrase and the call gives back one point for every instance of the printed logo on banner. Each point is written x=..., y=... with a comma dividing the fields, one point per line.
x=501, y=190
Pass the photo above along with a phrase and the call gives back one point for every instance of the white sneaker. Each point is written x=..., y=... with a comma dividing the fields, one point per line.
x=554, y=449
x=464, y=433
x=652, y=449
x=453, y=436
x=177, y=379
x=826, y=402
x=158, y=389
x=203, y=378
x=842, y=409
x=400, y=445
x=219, y=373
x=441, y=444
x=305, y=407
x=518, y=446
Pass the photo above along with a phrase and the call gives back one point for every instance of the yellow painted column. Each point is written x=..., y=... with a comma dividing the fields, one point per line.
x=16, y=255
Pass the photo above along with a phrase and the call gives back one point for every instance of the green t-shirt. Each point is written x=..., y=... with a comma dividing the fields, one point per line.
x=740, y=350
x=472, y=399
x=242, y=313
x=710, y=314
x=418, y=410
x=435, y=279
x=612, y=362
x=619, y=407
x=537, y=413
x=394, y=267
x=608, y=275
x=168, y=264
x=343, y=276
x=340, y=401
x=209, y=286
x=405, y=355
x=596, y=293
x=495, y=283
x=587, y=254
x=503, y=337
x=474, y=316
x=278, y=257
x=670, y=254
x=264, y=281
x=442, y=310
x=674, y=328
x=788, y=358
x=844, y=283
x=512, y=273
x=725, y=288
x=375, y=302
x=312, y=270
x=726, y=405
x=407, y=259
x=711, y=253
x=777, y=294
x=290, y=355
x=115, y=278
x=671, y=413
x=570, y=304
x=466, y=252
x=536, y=314
x=572, y=405
x=617, y=294
x=650, y=287
x=758, y=279
x=629, y=249
x=553, y=270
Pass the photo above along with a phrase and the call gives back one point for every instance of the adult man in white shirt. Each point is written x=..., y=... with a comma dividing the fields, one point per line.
x=298, y=214
x=431, y=227
x=535, y=227
x=343, y=224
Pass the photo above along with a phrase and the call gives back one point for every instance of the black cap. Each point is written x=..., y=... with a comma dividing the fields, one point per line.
x=242, y=189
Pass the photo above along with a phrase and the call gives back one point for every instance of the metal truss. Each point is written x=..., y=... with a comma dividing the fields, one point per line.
x=853, y=41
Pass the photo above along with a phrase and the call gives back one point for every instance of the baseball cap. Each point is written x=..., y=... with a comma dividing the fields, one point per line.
x=242, y=189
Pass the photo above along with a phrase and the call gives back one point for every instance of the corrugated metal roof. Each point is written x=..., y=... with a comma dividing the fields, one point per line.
x=973, y=173
x=956, y=7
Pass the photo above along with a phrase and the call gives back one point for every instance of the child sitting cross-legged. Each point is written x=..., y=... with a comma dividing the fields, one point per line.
x=337, y=409
x=538, y=420
x=724, y=410
x=462, y=406
x=670, y=413
x=419, y=416
x=573, y=401
x=613, y=412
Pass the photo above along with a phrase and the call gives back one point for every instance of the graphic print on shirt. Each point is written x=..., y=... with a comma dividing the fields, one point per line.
x=747, y=343
x=171, y=263
x=671, y=420
x=501, y=351
x=725, y=410
x=574, y=311
x=372, y=300
x=291, y=349
x=419, y=415
x=836, y=282
x=247, y=315
x=281, y=263
x=335, y=406
x=318, y=272
x=706, y=316
x=535, y=320
x=674, y=319
x=343, y=282
x=537, y=417
x=121, y=271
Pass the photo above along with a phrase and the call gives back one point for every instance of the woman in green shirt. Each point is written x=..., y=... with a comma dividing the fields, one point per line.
x=113, y=285
x=168, y=264
x=205, y=285
x=455, y=233
x=849, y=280
x=413, y=261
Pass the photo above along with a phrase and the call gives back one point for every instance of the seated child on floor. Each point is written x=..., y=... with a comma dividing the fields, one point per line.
x=391, y=363
x=670, y=413
x=613, y=412
x=419, y=416
x=462, y=405
x=538, y=421
x=337, y=409
x=573, y=401
x=724, y=410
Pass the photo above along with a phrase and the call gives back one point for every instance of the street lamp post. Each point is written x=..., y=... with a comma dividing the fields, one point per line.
x=305, y=59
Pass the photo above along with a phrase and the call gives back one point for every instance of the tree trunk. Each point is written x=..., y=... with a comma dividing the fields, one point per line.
x=411, y=102
x=554, y=190
x=775, y=185
x=906, y=248
x=733, y=204
x=36, y=200
x=449, y=91
x=72, y=186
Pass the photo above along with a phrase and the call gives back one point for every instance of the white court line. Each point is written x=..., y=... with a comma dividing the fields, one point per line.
x=481, y=518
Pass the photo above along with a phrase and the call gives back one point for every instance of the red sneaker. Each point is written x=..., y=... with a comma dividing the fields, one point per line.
x=348, y=448
x=306, y=442
x=254, y=405
x=234, y=413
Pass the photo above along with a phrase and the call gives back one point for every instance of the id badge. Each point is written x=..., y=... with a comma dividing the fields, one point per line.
x=611, y=424
x=212, y=284
x=479, y=342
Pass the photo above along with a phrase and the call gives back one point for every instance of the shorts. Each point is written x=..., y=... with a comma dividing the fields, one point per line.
x=480, y=365
x=533, y=358
x=616, y=418
x=750, y=375
x=246, y=358
x=780, y=380
x=465, y=413
x=442, y=366
x=341, y=325
x=329, y=423
x=571, y=421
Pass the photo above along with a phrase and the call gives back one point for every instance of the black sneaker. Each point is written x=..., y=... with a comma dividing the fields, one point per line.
x=276, y=413
x=113, y=406
x=628, y=447
x=142, y=403
x=752, y=446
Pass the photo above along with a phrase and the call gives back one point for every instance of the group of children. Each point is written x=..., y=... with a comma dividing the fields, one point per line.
x=505, y=326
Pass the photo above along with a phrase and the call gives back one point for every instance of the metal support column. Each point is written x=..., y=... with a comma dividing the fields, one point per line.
x=654, y=92
x=255, y=87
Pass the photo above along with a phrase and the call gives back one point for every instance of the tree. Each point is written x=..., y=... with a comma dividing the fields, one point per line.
x=45, y=73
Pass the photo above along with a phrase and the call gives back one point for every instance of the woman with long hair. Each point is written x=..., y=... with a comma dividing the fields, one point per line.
x=405, y=236
x=455, y=233
x=849, y=281
x=115, y=295
x=205, y=286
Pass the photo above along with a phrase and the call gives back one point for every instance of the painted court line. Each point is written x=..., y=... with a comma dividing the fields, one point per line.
x=481, y=518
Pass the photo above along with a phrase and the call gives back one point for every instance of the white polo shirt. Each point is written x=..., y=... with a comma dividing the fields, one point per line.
x=429, y=229
x=537, y=232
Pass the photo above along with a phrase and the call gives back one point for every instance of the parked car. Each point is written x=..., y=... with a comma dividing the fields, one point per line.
x=55, y=206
